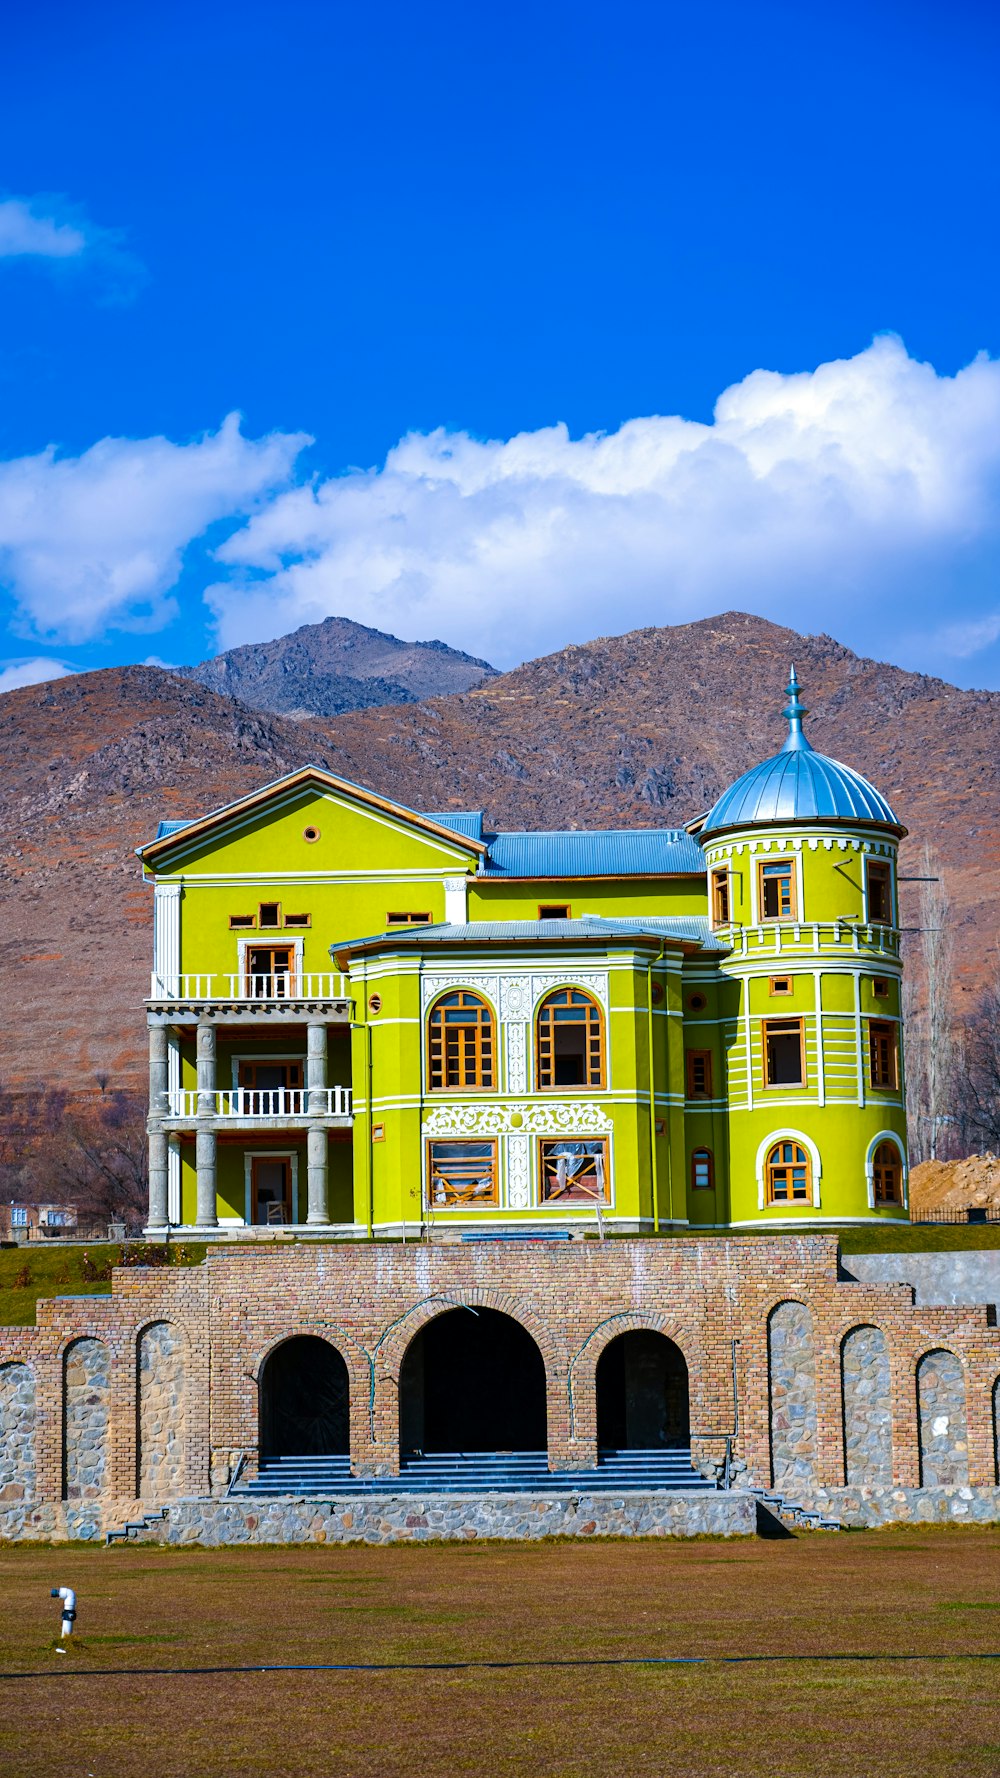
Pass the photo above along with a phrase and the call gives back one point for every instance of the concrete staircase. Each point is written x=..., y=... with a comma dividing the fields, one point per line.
x=458, y=1472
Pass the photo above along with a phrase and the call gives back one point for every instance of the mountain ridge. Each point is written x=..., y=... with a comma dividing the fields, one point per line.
x=638, y=730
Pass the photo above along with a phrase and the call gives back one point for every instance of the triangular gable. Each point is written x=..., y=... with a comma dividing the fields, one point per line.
x=307, y=777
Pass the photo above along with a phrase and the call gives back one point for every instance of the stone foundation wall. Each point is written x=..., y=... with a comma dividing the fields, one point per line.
x=156, y=1386
x=454, y=1518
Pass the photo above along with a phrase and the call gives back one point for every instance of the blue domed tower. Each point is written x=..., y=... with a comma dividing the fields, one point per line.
x=802, y=870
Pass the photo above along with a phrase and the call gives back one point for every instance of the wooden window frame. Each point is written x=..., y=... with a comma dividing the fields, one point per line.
x=709, y=1185
x=880, y=987
x=879, y=1029
x=771, y=1166
x=881, y=869
x=764, y=864
x=484, y=1038
x=290, y=976
x=895, y=1196
x=596, y=1143
x=296, y=922
x=544, y=910
x=776, y=991
x=408, y=919
x=242, y=922
x=594, y=1019
x=721, y=890
x=781, y=1086
x=261, y=905
x=691, y=1059
x=468, y=1199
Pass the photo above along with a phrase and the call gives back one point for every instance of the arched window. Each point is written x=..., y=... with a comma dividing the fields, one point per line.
x=460, y=1043
x=702, y=1169
x=569, y=1041
x=887, y=1174
x=788, y=1174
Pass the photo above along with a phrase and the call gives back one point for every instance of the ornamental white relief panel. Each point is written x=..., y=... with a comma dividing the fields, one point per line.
x=550, y=1119
x=516, y=1045
x=518, y=1173
x=433, y=985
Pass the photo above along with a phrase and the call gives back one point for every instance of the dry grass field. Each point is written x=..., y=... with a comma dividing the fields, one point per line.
x=933, y=1594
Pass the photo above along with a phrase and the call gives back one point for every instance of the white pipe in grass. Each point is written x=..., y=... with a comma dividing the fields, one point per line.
x=68, y=1597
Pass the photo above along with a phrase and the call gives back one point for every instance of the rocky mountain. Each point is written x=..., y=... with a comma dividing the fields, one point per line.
x=637, y=730
x=324, y=669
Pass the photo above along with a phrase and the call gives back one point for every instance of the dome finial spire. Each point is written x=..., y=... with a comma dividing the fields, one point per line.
x=794, y=710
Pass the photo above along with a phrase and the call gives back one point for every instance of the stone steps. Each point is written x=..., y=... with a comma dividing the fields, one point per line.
x=517, y=1472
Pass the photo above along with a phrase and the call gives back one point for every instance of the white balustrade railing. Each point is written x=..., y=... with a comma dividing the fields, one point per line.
x=277, y=985
x=259, y=1102
x=788, y=936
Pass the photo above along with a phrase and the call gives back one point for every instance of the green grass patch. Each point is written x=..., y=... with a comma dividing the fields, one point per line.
x=926, y=1237
x=30, y=1272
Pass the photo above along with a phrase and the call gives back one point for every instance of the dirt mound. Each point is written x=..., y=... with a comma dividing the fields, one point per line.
x=956, y=1185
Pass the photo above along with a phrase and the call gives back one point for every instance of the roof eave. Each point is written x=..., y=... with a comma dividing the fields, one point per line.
x=895, y=827
x=155, y=849
x=600, y=941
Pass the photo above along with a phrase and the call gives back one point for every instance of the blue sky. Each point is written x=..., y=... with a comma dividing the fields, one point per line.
x=476, y=279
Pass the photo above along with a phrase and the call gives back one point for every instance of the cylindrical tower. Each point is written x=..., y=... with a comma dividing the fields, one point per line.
x=801, y=854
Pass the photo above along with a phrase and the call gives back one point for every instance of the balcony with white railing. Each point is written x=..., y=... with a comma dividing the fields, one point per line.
x=250, y=1105
x=788, y=938
x=248, y=990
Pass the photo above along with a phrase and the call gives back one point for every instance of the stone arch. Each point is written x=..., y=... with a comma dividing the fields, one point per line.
x=472, y=1379
x=583, y=1365
x=391, y=1346
x=944, y=1444
x=304, y=1399
x=642, y=1392
x=86, y=1404
x=866, y=1406
x=18, y=1420
x=791, y=1369
x=161, y=1410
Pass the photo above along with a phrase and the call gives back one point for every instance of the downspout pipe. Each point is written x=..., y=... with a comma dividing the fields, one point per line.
x=653, y=1164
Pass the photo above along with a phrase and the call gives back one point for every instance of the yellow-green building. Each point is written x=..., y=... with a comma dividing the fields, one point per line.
x=367, y=1020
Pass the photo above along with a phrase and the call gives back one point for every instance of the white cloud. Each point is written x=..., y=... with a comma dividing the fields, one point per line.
x=98, y=540
x=34, y=672
x=24, y=232
x=859, y=498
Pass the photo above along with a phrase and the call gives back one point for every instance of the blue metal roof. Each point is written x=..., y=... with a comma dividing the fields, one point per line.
x=798, y=784
x=693, y=930
x=468, y=822
x=614, y=852
x=165, y=827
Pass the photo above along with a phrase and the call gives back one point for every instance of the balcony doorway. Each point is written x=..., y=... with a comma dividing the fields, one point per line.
x=472, y=1381
x=271, y=1181
x=642, y=1394
x=304, y=1401
x=270, y=972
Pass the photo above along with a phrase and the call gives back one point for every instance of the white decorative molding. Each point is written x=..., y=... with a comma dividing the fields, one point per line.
x=515, y=998
x=518, y=1173
x=433, y=985
x=515, y=1040
x=167, y=931
x=456, y=900
x=563, y=1118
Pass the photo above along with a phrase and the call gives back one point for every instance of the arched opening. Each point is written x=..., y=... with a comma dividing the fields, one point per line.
x=642, y=1394
x=304, y=1400
x=887, y=1174
x=472, y=1380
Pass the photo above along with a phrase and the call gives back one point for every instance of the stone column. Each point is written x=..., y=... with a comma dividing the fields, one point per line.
x=158, y=1106
x=316, y=1105
x=205, y=1138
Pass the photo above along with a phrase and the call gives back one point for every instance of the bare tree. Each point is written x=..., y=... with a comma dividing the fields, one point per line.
x=928, y=1008
x=979, y=1091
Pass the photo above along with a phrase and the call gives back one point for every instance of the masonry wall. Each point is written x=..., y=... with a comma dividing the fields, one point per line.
x=815, y=1381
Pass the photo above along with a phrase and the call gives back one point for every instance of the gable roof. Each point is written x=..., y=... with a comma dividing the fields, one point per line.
x=689, y=934
x=170, y=834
